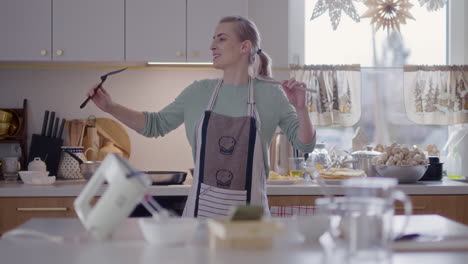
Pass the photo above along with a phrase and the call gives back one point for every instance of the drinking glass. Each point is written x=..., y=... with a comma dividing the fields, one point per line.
x=361, y=229
x=296, y=167
x=384, y=188
x=310, y=166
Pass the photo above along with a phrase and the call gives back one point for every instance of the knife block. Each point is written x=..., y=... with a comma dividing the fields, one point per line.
x=48, y=149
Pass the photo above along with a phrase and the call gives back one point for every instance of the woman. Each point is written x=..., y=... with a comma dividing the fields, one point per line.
x=229, y=122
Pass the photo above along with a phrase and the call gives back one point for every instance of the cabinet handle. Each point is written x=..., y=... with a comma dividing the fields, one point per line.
x=41, y=209
x=179, y=54
x=59, y=52
x=195, y=54
x=43, y=52
x=414, y=208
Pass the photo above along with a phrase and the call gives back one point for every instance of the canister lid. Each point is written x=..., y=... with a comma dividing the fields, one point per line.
x=368, y=153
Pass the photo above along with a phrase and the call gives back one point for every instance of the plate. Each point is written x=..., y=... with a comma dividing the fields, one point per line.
x=281, y=182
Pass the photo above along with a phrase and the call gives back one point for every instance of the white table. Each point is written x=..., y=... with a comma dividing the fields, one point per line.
x=127, y=246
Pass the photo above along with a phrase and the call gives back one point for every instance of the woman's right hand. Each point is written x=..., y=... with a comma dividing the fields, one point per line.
x=101, y=98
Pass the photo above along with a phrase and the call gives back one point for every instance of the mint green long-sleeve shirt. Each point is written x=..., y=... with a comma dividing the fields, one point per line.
x=272, y=105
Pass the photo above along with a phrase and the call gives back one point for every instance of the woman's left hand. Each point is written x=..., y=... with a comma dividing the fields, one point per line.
x=297, y=97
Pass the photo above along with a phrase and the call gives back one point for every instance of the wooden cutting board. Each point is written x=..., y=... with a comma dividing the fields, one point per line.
x=112, y=130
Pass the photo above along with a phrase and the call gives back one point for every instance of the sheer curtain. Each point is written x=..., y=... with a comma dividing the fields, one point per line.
x=436, y=95
x=337, y=100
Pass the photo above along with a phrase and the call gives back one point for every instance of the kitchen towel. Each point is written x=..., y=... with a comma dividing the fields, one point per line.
x=436, y=95
x=338, y=97
x=288, y=211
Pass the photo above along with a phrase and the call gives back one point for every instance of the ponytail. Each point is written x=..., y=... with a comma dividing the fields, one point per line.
x=264, y=66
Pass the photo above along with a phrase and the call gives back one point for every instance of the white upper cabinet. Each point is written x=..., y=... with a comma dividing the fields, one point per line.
x=175, y=31
x=62, y=30
x=88, y=30
x=155, y=30
x=202, y=18
x=25, y=30
x=111, y=30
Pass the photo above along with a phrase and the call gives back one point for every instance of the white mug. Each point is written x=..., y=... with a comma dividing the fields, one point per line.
x=10, y=168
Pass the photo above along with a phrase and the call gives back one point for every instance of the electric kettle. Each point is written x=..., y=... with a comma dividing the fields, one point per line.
x=280, y=152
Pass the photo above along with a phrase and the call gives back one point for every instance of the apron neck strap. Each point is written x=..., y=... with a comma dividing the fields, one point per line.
x=250, y=100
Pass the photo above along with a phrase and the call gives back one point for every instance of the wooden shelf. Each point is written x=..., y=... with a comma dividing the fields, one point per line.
x=22, y=134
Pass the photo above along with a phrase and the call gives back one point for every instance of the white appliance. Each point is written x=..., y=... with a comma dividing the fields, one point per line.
x=126, y=187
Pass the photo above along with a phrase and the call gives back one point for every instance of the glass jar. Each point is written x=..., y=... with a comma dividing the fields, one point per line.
x=320, y=156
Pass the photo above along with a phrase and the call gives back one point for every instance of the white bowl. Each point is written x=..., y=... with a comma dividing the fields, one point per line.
x=170, y=231
x=32, y=177
x=403, y=173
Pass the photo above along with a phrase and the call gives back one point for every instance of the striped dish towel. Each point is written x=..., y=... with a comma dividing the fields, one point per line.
x=288, y=211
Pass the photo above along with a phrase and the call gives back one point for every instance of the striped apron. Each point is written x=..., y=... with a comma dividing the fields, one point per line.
x=229, y=167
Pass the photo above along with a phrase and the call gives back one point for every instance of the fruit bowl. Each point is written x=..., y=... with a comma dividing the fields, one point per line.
x=403, y=173
x=36, y=177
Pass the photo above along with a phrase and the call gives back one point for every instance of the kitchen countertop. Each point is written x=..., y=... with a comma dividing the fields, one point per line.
x=73, y=188
x=128, y=246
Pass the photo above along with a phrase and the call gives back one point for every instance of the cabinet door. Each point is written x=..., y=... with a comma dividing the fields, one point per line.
x=202, y=18
x=25, y=30
x=155, y=30
x=88, y=30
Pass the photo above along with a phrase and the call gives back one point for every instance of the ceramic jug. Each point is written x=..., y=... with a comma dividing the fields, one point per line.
x=68, y=167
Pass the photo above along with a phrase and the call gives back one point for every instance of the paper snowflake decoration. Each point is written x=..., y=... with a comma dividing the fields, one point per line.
x=334, y=8
x=388, y=14
x=432, y=5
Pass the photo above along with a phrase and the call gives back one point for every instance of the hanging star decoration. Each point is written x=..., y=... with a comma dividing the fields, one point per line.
x=388, y=14
x=334, y=8
x=432, y=5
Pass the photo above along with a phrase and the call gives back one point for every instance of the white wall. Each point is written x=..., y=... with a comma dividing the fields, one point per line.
x=271, y=18
x=63, y=90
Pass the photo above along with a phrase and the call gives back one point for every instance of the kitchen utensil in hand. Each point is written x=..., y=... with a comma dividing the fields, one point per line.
x=103, y=79
x=298, y=87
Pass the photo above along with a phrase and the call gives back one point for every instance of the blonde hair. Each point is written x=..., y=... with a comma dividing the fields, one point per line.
x=247, y=30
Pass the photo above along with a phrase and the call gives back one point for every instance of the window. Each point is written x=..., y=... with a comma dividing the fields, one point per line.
x=381, y=55
x=422, y=41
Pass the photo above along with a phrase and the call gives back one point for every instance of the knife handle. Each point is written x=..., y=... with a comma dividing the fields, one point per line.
x=51, y=124
x=44, y=123
x=62, y=125
x=54, y=134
